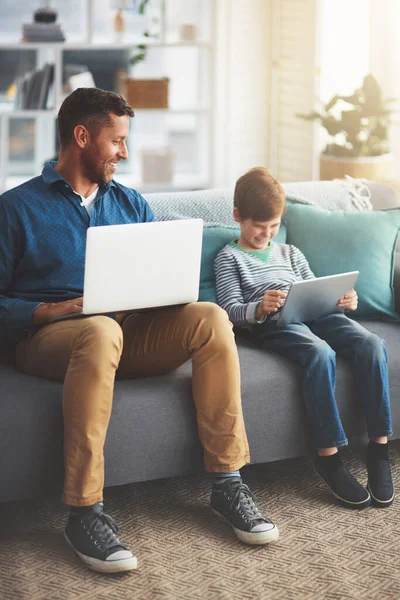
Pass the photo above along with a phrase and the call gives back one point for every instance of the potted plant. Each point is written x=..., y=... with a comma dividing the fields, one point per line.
x=357, y=126
x=143, y=93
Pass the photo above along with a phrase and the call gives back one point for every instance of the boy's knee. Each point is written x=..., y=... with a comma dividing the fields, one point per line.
x=322, y=352
x=372, y=345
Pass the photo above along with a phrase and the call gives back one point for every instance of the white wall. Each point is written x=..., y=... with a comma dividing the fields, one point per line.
x=242, y=64
x=385, y=62
x=344, y=51
x=265, y=72
x=344, y=46
x=293, y=89
x=275, y=58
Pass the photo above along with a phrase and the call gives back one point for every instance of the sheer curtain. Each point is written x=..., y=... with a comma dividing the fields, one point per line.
x=385, y=62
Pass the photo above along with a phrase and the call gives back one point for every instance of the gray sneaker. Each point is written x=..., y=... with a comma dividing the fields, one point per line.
x=92, y=535
x=233, y=502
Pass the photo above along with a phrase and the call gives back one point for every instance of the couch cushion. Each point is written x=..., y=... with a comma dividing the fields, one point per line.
x=214, y=239
x=338, y=241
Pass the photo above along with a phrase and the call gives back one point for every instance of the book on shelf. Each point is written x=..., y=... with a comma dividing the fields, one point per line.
x=18, y=93
x=24, y=89
x=47, y=83
x=42, y=32
x=33, y=89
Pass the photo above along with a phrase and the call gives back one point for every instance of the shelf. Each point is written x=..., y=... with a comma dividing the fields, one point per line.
x=27, y=114
x=187, y=126
x=101, y=46
x=179, y=183
x=173, y=111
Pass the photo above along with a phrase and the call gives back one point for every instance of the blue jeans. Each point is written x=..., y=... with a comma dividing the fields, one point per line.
x=314, y=346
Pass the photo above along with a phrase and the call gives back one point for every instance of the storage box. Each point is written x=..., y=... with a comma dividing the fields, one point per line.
x=157, y=165
x=145, y=93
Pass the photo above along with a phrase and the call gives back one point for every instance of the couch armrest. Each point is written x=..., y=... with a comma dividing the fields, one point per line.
x=396, y=280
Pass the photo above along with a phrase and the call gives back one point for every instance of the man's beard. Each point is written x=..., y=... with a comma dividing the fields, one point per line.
x=93, y=170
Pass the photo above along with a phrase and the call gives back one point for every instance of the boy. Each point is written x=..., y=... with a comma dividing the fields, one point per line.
x=253, y=277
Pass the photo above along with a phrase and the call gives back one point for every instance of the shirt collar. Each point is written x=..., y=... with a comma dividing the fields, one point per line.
x=51, y=176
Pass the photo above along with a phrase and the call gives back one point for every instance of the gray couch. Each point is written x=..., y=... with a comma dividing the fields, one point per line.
x=152, y=433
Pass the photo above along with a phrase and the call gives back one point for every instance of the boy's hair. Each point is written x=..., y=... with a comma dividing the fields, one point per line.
x=259, y=196
x=90, y=107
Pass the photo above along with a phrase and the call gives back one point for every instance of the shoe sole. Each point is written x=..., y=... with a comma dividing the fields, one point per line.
x=104, y=566
x=258, y=538
x=347, y=503
x=379, y=503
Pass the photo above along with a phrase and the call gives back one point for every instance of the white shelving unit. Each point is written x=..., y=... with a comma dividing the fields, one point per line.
x=198, y=114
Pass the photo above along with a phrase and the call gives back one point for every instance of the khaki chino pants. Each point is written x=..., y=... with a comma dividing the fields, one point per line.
x=87, y=354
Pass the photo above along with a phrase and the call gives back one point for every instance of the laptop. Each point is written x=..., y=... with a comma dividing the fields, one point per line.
x=310, y=299
x=141, y=265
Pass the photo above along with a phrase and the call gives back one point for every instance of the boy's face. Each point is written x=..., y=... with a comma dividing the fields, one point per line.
x=256, y=235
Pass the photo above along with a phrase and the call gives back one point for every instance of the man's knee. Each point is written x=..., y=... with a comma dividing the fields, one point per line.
x=210, y=311
x=211, y=323
x=210, y=315
x=102, y=334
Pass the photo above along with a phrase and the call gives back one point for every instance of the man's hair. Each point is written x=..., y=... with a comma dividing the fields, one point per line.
x=90, y=107
x=259, y=196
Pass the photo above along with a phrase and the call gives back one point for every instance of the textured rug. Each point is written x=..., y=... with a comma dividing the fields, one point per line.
x=325, y=552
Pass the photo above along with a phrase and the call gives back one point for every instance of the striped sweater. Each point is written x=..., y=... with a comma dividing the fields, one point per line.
x=242, y=277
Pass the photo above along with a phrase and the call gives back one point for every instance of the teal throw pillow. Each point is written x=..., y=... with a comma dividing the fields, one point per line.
x=214, y=239
x=339, y=241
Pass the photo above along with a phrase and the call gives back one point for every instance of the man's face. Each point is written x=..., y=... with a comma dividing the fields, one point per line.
x=104, y=150
x=256, y=235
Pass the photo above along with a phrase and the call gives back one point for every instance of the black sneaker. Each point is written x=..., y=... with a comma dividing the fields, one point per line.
x=92, y=535
x=380, y=484
x=233, y=502
x=341, y=483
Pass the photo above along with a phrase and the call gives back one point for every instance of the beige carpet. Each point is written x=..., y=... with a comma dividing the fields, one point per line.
x=325, y=552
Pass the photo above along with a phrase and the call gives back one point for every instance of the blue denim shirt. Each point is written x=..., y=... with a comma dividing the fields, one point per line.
x=43, y=239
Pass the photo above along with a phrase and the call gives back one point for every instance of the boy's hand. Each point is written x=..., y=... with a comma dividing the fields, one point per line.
x=349, y=301
x=271, y=302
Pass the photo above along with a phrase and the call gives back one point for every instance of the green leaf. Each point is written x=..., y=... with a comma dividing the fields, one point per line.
x=310, y=117
x=356, y=98
x=142, y=6
x=332, y=125
x=331, y=103
x=351, y=122
x=362, y=131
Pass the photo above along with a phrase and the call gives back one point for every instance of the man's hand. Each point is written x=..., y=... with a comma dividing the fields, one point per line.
x=349, y=301
x=271, y=302
x=45, y=313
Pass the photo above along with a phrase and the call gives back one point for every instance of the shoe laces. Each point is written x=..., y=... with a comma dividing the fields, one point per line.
x=102, y=529
x=243, y=501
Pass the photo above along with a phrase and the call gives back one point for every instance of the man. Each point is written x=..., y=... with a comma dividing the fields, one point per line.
x=43, y=225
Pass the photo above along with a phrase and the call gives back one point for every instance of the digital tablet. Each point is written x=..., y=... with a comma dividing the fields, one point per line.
x=310, y=299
